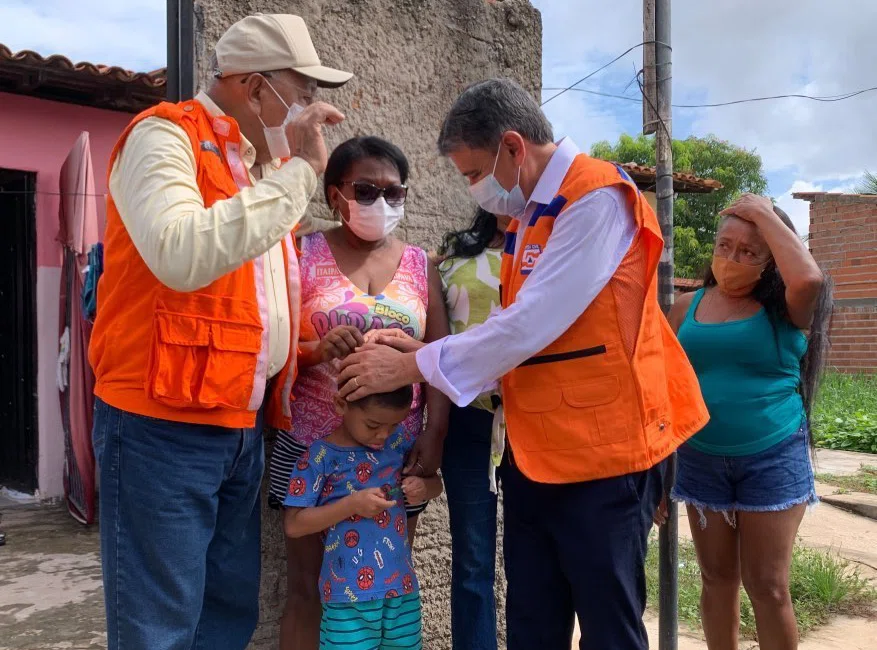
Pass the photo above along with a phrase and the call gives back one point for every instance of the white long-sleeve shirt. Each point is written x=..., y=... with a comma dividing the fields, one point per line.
x=589, y=240
x=186, y=245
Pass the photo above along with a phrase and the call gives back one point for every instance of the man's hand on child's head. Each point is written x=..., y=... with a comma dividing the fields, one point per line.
x=395, y=338
x=369, y=503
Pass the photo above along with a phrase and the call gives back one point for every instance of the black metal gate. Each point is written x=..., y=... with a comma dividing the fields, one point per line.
x=18, y=351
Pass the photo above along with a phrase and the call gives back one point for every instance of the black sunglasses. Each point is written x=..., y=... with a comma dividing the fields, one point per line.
x=367, y=193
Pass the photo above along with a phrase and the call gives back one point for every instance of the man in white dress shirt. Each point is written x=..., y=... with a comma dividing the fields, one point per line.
x=596, y=391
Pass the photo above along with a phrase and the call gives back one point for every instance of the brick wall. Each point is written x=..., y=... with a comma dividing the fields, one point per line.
x=843, y=239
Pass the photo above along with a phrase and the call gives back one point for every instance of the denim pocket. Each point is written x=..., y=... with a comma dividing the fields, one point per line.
x=99, y=426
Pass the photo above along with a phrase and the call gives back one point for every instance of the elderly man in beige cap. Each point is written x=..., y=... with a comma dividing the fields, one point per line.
x=194, y=346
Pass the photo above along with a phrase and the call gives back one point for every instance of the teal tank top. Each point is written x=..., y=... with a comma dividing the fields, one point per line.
x=749, y=374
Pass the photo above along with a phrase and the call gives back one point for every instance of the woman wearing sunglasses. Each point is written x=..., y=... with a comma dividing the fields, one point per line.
x=355, y=278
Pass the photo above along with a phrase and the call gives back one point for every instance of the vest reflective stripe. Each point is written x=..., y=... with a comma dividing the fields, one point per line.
x=293, y=280
x=242, y=180
x=260, y=378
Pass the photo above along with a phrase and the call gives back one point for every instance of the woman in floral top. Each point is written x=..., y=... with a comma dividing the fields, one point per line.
x=355, y=279
x=469, y=268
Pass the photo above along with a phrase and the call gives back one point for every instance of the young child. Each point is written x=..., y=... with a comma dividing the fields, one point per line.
x=349, y=485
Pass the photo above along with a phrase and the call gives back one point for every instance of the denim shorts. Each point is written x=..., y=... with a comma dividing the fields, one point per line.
x=775, y=479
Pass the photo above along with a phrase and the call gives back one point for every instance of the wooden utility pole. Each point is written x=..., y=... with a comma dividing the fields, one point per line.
x=660, y=123
x=650, y=99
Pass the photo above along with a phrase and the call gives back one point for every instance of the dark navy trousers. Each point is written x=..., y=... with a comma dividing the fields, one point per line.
x=577, y=550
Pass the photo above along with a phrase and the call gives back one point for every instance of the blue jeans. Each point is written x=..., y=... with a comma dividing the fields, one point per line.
x=776, y=479
x=472, y=508
x=179, y=528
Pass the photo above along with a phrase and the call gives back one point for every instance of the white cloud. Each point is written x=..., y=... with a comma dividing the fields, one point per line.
x=751, y=49
x=572, y=115
x=732, y=50
x=799, y=210
x=721, y=51
x=129, y=34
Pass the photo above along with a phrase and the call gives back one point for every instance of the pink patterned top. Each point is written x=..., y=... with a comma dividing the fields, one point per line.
x=330, y=299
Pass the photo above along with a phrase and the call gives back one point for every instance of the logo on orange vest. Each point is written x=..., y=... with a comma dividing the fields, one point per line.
x=529, y=257
x=206, y=145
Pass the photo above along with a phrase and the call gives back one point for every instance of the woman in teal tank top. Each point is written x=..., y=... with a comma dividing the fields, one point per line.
x=756, y=336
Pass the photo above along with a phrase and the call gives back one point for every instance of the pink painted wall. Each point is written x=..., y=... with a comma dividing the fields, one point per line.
x=36, y=135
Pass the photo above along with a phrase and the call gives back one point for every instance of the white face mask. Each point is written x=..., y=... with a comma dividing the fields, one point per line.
x=493, y=197
x=374, y=222
x=275, y=136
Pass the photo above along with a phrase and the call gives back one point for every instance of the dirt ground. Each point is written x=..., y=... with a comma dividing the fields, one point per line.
x=51, y=596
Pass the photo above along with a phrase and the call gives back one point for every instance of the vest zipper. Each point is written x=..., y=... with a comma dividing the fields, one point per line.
x=564, y=356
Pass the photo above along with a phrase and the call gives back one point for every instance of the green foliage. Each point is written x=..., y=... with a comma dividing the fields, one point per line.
x=821, y=583
x=695, y=216
x=690, y=255
x=868, y=184
x=865, y=480
x=854, y=432
x=845, y=414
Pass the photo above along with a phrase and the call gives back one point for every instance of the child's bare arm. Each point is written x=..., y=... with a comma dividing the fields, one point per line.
x=299, y=522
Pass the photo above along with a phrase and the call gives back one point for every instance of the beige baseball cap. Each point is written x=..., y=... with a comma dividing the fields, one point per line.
x=266, y=42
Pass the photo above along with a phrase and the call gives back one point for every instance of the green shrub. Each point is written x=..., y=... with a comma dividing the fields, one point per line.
x=864, y=480
x=845, y=414
x=821, y=584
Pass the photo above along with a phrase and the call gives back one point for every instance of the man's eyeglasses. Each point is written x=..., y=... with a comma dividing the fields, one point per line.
x=367, y=193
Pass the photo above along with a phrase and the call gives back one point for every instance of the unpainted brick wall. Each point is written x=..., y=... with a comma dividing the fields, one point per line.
x=843, y=239
x=411, y=59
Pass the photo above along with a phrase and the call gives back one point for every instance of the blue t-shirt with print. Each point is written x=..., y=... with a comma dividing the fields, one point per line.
x=363, y=559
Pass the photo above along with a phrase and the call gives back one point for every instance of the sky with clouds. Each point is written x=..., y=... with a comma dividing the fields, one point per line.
x=722, y=51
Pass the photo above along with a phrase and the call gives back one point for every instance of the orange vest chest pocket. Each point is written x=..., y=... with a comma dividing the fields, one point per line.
x=198, y=362
x=544, y=416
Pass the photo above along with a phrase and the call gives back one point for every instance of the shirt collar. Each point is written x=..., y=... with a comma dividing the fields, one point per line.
x=248, y=151
x=555, y=171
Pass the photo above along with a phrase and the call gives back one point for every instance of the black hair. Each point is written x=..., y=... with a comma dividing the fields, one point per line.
x=770, y=292
x=471, y=241
x=396, y=399
x=351, y=151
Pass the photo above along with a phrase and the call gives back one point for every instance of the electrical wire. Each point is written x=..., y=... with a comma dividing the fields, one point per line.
x=815, y=98
x=652, y=107
x=601, y=68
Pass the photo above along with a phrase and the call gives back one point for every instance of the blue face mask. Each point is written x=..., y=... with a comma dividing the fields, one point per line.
x=494, y=198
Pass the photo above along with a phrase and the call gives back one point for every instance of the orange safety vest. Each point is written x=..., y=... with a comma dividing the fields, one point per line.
x=615, y=394
x=198, y=357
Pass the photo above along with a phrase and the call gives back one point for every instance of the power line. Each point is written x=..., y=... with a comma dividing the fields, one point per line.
x=832, y=98
x=815, y=98
x=654, y=109
x=600, y=69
